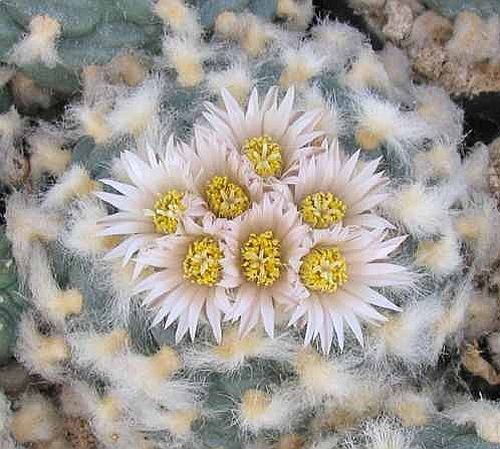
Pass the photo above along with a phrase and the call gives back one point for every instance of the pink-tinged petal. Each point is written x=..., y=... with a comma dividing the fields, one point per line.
x=124, y=189
x=182, y=327
x=248, y=321
x=368, y=221
x=353, y=323
x=214, y=318
x=267, y=313
x=338, y=324
x=194, y=314
x=371, y=296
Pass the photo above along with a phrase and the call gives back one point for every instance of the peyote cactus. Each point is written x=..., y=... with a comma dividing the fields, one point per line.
x=51, y=42
x=268, y=242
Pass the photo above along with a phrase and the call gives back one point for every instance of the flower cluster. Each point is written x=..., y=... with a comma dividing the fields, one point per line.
x=257, y=219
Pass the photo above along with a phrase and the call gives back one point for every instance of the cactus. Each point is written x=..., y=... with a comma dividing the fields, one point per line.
x=126, y=369
x=94, y=32
x=12, y=303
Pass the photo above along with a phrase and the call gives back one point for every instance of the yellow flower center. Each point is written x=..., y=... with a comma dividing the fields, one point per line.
x=260, y=258
x=320, y=210
x=202, y=263
x=264, y=154
x=324, y=270
x=225, y=198
x=167, y=210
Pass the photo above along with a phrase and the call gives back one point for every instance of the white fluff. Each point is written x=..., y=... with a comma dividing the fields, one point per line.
x=233, y=352
x=339, y=41
x=81, y=233
x=367, y=71
x=180, y=18
x=301, y=64
x=13, y=166
x=6, y=74
x=237, y=79
x=423, y=211
x=485, y=415
x=332, y=121
x=381, y=122
x=440, y=113
x=40, y=354
x=40, y=44
x=27, y=223
x=441, y=257
x=397, y=65
x=6, y=440
x=410, y=407
x=75, y=183
x=186, y=57
x=475, y=167
x=408, y=336
x=441, y=161
x=47, y=153
x=260, y=410
x=54, y=303
x=36, y=420
x=298, y=13
x=132, y=113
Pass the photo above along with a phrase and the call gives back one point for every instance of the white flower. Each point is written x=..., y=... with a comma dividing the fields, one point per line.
x=338, y=273
x=190, y=277
x=264, y=244
x=331, y=189
x=155, y=203
x=228, y=187
x=271, y=138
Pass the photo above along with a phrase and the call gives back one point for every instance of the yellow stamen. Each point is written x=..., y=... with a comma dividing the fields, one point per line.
x=324, y=270
x=225, y=198
x=167, y=211
x=202, y=263
x=321, y=210
x=264, y=154
x=260, y=258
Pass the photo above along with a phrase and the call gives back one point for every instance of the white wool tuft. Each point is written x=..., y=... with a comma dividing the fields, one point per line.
x=56, y=304
x=475, y=167
x=440, y=113
x=440, y=161
x=332, y=120
x=321, y=378
x=27, y=223
x=300, y=65
x=422, y=210
x=237, y=79
x=485, y=415
x=494, y=347
x=379, y=121
x=234, y=352
x=36, y=420
x=339, y=42
x=298, y=13
x=441, y=257
x=93, y=122
x=408, y=336
x=180, y=18
x=133, y=113
x=39, y=44
x=411, y=408
x=47, y=153
x=96, y=350
x=186, y=57
x=260, y=410
x=39, y=353
x=82, y=228
x=13, y=167
x=75, y=183
x=367, y=71
x=397, y=65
